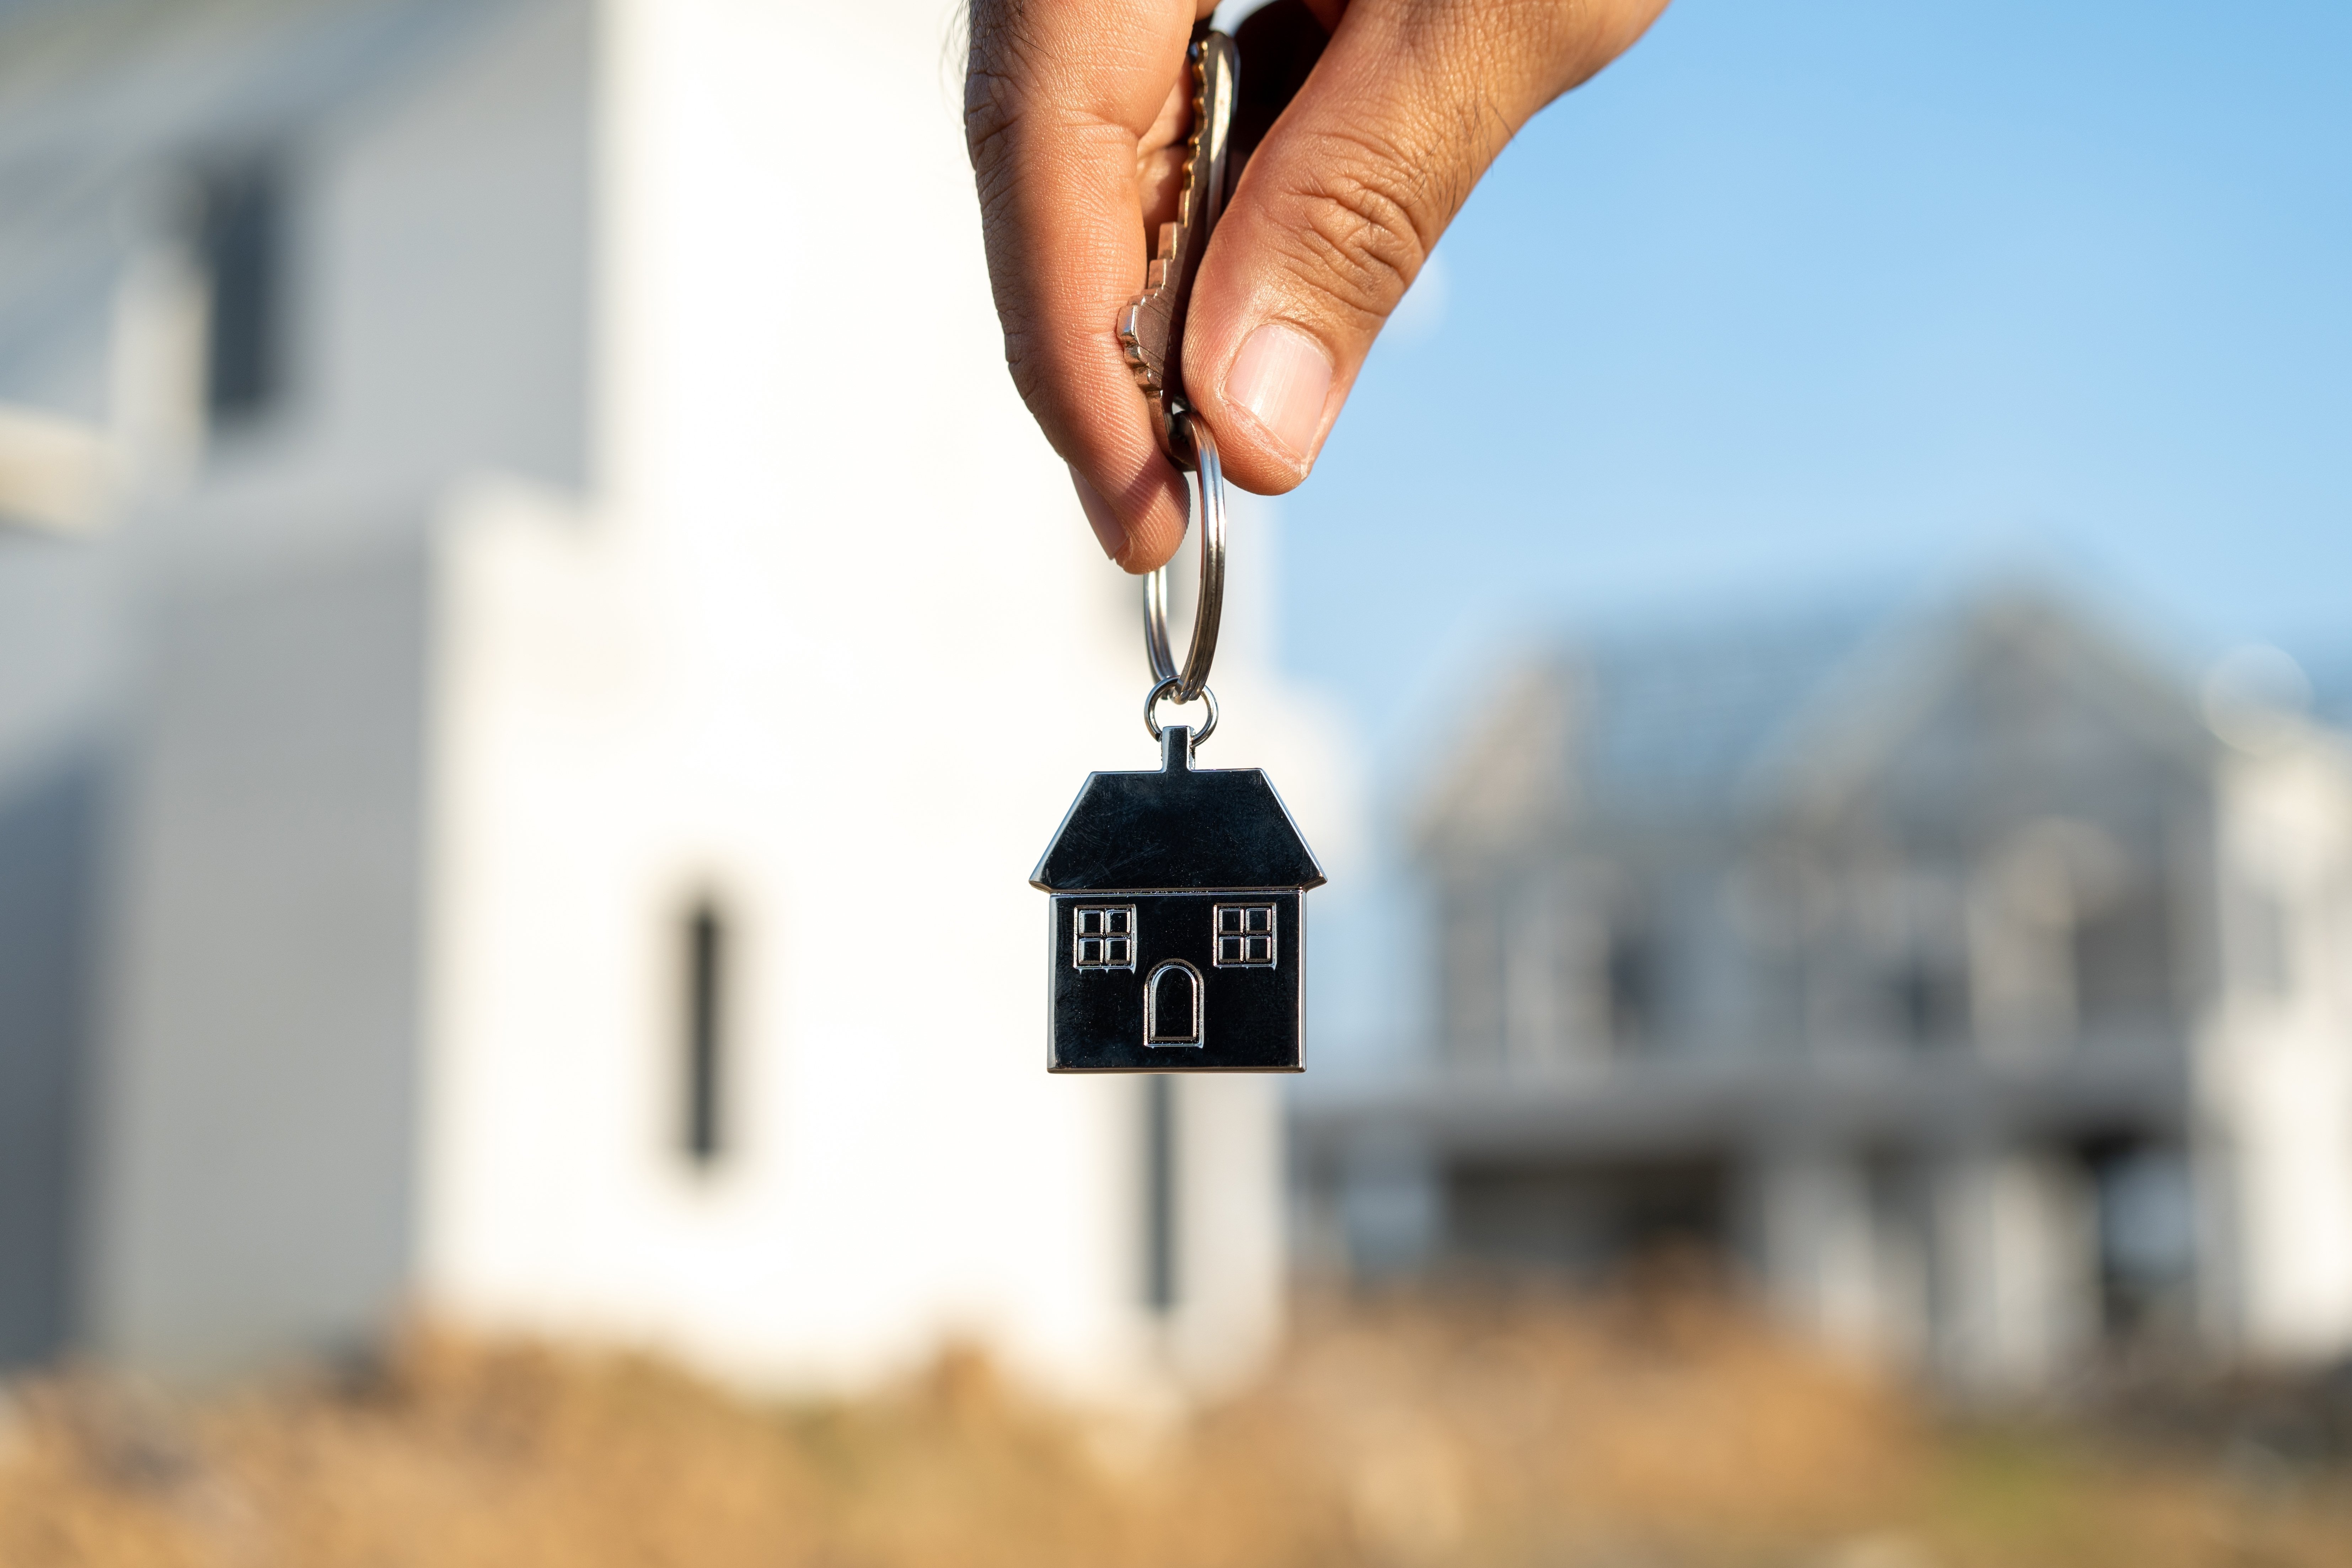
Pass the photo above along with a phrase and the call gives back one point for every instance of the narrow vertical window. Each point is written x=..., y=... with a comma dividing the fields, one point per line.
x=239, y=246
x=706, y=1034
x=1159, y=1280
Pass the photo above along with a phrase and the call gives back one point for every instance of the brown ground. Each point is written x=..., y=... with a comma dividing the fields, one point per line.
x=1648, y=1431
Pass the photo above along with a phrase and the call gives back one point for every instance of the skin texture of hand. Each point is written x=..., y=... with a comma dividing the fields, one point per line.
x=1077, y=111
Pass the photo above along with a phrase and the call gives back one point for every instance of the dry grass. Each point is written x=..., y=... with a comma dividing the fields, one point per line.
x=1650, y=1430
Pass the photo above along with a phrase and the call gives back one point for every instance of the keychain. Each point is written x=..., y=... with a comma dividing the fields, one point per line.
x=1178, y=895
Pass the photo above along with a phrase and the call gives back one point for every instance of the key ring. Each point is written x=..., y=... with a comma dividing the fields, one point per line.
x=1206, y=482
x=1151, y=721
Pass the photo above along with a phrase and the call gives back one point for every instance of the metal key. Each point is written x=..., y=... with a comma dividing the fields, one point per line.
x=1151, y=328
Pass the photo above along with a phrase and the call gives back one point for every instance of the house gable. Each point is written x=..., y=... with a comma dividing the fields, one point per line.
x=1178, y=828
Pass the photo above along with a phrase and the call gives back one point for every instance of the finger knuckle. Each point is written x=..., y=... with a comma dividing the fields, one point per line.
x=991, y=115
x=1366, y=225
x=995, y=71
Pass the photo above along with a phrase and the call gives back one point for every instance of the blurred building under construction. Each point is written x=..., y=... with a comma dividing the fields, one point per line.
x=1975, y=981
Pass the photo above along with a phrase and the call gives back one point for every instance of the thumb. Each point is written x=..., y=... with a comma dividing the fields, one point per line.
x=1341, y=205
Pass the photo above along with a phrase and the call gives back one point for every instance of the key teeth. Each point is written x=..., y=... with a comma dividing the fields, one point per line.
x=1144, y=328
x=1136, y=337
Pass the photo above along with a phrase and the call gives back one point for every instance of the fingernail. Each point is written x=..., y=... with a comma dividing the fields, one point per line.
x=1107, y=531
x=1282, y=376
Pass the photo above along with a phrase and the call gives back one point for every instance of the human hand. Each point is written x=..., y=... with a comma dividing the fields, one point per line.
x=1076, y=113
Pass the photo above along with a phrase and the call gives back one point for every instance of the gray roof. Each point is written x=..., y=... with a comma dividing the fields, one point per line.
x=1669, y=722
x=1699, y=724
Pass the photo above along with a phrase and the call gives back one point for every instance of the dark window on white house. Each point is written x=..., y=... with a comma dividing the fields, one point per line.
x=2145, y=1205
x=240, y=245
x=704, y=1054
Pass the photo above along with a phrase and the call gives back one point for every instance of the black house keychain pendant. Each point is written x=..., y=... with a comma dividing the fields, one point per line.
x=1177, y=940
x=1177, y=937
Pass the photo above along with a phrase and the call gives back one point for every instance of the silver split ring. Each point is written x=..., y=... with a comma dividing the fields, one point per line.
x=1151, y=721
x=1206, y=480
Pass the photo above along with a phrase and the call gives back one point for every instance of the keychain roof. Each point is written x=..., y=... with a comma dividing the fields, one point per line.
x=1177, y=827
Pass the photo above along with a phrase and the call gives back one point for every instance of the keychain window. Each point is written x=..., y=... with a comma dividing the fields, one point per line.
x=1105, y=937
x=1245, y=936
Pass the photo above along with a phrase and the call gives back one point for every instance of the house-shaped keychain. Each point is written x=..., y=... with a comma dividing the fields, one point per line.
x=1177, y=940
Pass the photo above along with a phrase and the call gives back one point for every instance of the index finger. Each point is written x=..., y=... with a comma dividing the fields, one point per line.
x=1057, y=100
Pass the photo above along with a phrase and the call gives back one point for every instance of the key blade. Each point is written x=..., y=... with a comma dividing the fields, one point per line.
x=1151, y=328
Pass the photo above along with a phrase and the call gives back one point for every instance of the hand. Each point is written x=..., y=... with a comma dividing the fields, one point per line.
x=1076, y=112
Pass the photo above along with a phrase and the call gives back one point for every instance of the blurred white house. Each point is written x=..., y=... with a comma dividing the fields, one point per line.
x=1976, y=982
x=539, y=652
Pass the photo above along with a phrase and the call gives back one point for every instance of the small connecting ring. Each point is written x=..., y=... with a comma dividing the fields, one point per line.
x=1163, y=688
x=1206, y=480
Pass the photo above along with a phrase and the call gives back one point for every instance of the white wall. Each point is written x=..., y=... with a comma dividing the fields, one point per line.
x=2275, y=1063
x=832, y=640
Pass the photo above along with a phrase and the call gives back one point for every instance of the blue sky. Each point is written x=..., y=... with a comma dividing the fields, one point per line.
x=1838, y=300
x=1821, y=304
